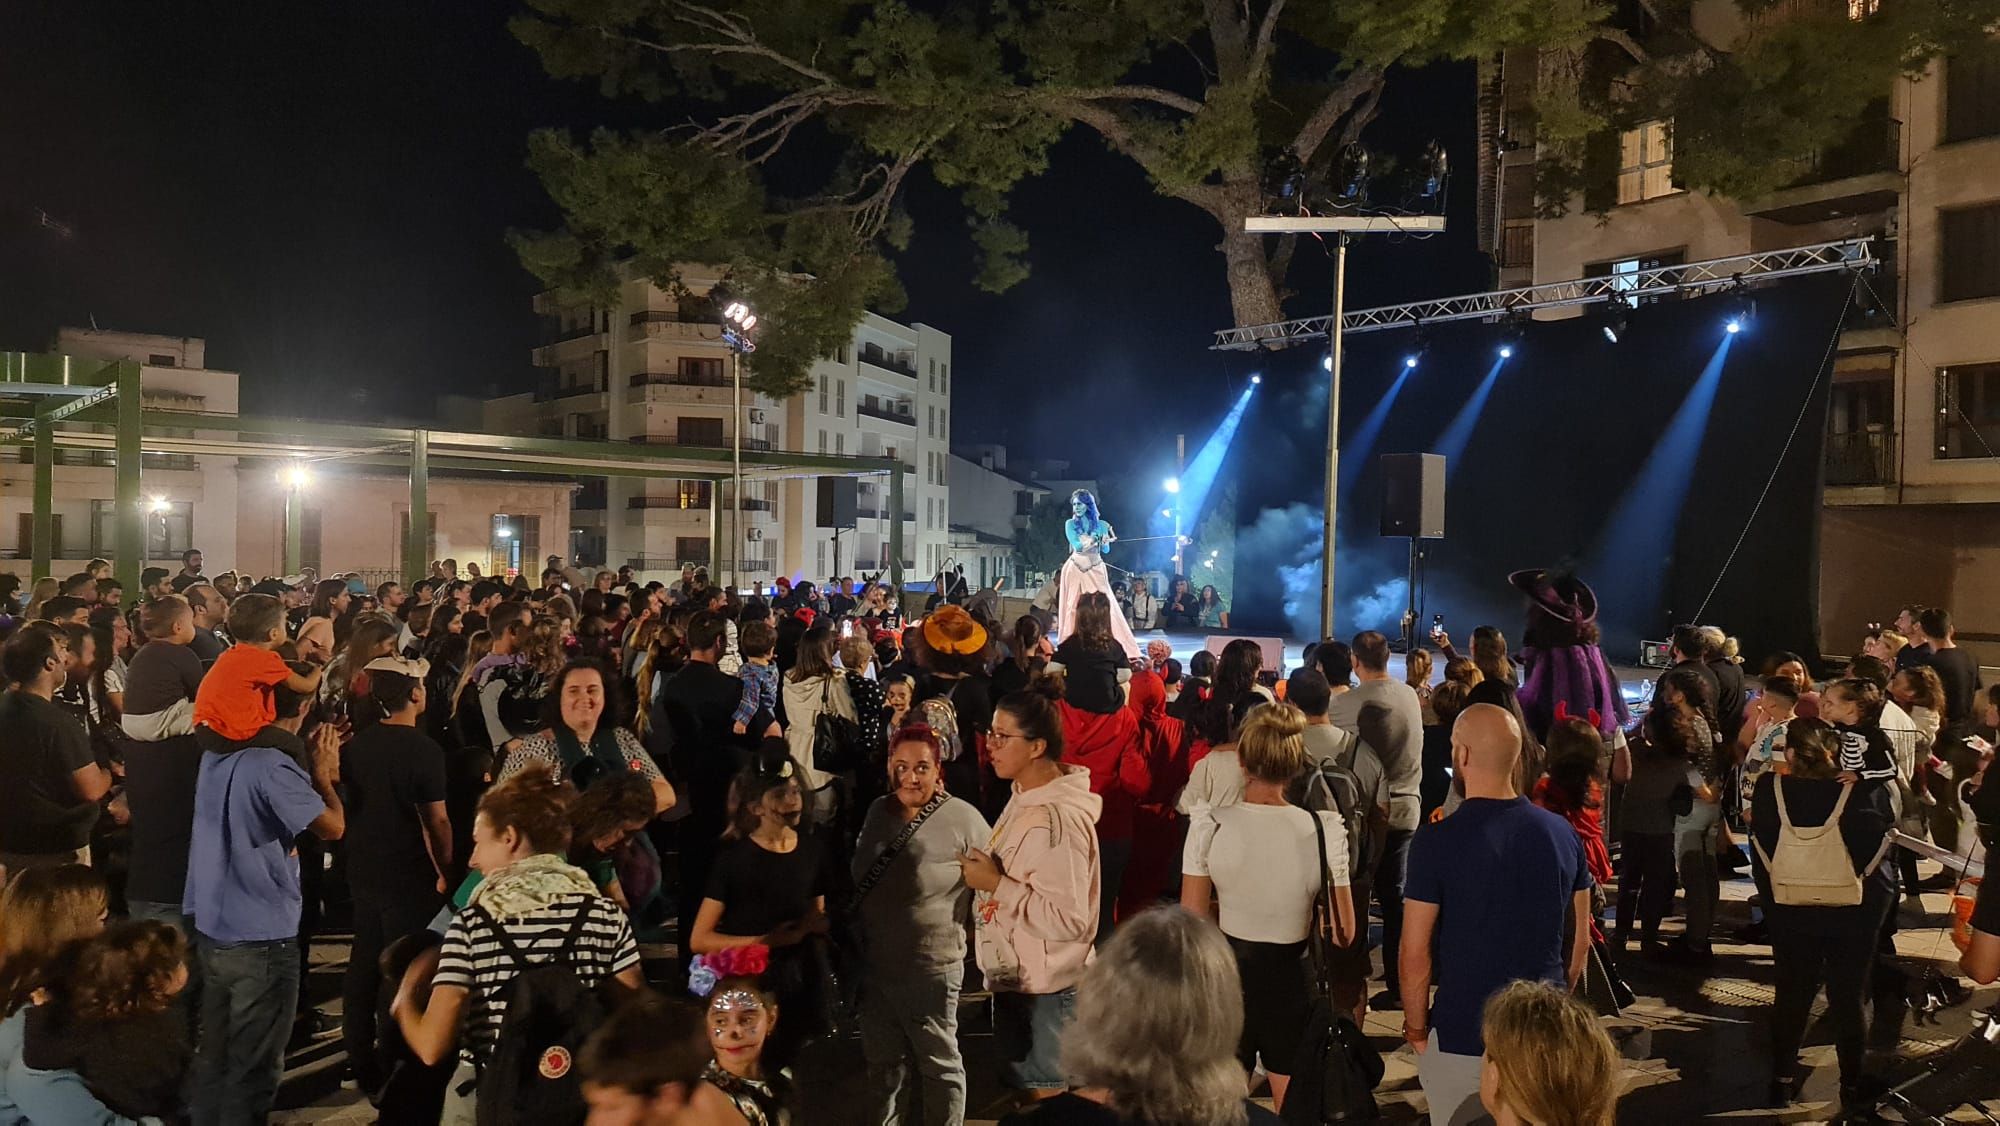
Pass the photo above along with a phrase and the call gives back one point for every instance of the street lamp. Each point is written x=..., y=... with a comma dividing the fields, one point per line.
x=738, y=323
x=1341, y=227
x=294, y=477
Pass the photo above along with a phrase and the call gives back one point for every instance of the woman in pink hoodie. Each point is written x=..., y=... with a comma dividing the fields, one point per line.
x=1037, y=886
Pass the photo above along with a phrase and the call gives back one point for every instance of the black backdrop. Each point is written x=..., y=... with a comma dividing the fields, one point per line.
x=1570, y=423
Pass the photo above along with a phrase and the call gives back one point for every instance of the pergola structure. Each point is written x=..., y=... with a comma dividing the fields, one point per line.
x=65, y=402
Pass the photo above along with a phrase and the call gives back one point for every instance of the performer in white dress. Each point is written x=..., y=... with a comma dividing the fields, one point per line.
x=1089, y=538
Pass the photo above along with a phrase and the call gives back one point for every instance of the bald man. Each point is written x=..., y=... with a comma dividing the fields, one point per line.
x=1501, y=888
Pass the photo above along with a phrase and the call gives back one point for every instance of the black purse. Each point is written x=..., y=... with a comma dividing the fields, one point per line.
x=1335, y=1076
x=836, y=739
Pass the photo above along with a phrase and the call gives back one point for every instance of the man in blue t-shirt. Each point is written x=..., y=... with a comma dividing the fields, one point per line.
x=1502, y=888
x=243, y=894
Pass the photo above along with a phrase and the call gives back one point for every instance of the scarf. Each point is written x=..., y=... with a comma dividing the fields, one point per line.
x=530, y=884
x=603, y=754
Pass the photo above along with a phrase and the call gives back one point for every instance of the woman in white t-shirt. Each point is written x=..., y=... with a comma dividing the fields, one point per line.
x=1258, y=860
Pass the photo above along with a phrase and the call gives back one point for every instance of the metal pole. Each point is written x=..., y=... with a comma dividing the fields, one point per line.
x=1333, y=334
x=295, y=501
x=130, y=521
x=714, y=527
x=416, y=546
x=1180, y=467
x=736, y=469
x=45, y=491
x=896, y=528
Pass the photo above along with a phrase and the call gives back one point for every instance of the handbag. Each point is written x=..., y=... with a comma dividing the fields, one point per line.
x=1336, y=1073
x=836, y=738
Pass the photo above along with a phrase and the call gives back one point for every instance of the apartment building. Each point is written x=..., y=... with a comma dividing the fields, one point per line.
x=232, y=509
x=653, y=368
x=1911, y=508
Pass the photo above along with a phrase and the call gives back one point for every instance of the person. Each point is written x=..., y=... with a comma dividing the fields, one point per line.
x=1164, y=744
x=1691, y=724
x=43, y=910
x=614, y=811
x=814, y=686
x=1761, y=746
x=1497, y=892
x=1562, y=665
x=952, y=652
x=1085, y=571
x=768, y=887
x=1329, y=745
x=1027, y=653
x=579, y=740
x=1981, y=958
x=1792, y=667
x=912, y=905
x=53, y=779
x=1689, y=648
x=985, y=602
x=1910, y=623
x=330, y=602
x=1401, y=733
x=1664, y=776
x=162, y=767
x=1158, y=1019
x=190, y=573
x=644, y=1066
x=237, y=699
x=1489, y=653
x=1210, y=611
x=1573, y=789
x=1094, y=670
x=742, y=1015
x=1215, y=777
x=1180, y=609
x=1547, y=1060
x=701, y=753
x=1417, y=670
x=243, y=887
x=759, y=703
x=1144, y=606
x=1102, y=735
x=400, y=852
x=211, y=613
x=530, y=905
x=1954, y=667
x=1263, y=861
x=1854, y=707
x=1037, y=890
x=1821, y=946
x=110, y=1018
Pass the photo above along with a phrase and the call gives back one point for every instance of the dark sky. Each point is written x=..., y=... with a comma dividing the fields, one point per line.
x=322, y=191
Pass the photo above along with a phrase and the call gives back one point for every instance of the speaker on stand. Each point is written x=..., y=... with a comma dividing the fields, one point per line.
x=1413, y=508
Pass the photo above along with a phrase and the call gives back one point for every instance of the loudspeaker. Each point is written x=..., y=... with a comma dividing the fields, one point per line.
x=1413, y=496
x=837, y=501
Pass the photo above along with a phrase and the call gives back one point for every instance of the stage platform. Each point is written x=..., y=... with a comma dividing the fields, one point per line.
x=1637, y=683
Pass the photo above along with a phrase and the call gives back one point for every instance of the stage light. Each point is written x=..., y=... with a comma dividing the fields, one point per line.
x=1255, y=380
x=1733, y=325
x=1611, y=334
x=296, y=476
x=1506, y=351
x=1326, y=363
x=1410, y=360
x=1167, y=512
x=1172, y=484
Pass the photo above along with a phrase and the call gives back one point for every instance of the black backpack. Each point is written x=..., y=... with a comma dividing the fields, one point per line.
x=1333, y=786
x=532, y=1074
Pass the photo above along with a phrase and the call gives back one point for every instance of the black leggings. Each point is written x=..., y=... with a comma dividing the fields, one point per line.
x=1815, y=947
x=1645, y=883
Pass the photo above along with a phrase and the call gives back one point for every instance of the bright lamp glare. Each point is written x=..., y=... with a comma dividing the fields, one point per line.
x=1255, y=380
x=1733, y=326
x=1326, y=363
x=297, y=476
x=1506, y=351
x=504, y=532
x=1409, y=361
x=160, y=504
x=1611, y=334
x=1172, y=484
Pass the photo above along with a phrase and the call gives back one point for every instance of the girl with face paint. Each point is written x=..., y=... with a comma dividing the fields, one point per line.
x=741, y=1016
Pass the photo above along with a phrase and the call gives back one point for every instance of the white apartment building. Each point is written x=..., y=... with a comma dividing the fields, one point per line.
x=232, y=509
x=1911, y=509
x=989, y=506
x=653, y=369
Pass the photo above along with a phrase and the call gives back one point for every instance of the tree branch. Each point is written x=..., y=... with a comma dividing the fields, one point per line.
x=1623, y=40
x=1335, y=105
x=1227, y=33
x=736, y=35
x=1119, y=134
x=1124, y=93
x=1260, y=55
x=770, y=126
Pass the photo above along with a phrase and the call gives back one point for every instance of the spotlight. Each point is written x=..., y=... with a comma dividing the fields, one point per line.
x=1326, y=363
x=1172, y=484
x=1615, y=321
x=1255, y=380
x=297, y=476
x=1167, y=512
x=160, y=504
x=1733, y=325
x=1506, y=351
x=1410, y=360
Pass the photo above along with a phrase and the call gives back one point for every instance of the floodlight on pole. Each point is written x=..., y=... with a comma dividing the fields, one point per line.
x=1342, y=227
x=1172, y=484
x=738, y=322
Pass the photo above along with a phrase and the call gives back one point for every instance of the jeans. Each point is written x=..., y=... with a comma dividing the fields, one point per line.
x=1813, y=947
x=1389, y=875
x=379, y=919
x=1112, y=858
x=1645, y=884
x=1451, y=1085
x=909, y=1022
x=1694, y=844
x=250, y=993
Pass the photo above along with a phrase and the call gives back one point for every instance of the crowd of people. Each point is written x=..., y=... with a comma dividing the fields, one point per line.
x=842, y=822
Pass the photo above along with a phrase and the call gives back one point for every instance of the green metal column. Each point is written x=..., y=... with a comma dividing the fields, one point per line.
x=416, y=547
x=129, y=520
x=45, y=492
x=295, y=500
x=896, y=527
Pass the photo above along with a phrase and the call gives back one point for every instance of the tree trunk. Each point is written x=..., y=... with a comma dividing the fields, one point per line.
x=1253, y=294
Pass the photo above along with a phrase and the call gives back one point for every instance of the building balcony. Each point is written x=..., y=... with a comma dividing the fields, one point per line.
x=645, y=563
x=889, y=412
x=1860, y=175
x=1862, y=458
x=673, y=387
x=701, y=442
x=876, y=357
x=553, y=392
x=691, y=502
x=580, y=343
x=666, y=324
x=752, y=504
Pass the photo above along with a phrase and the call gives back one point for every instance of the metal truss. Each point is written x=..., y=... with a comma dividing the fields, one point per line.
x=1686, y=278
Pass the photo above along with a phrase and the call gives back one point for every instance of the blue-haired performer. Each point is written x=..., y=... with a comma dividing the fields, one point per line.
x=1089, y=538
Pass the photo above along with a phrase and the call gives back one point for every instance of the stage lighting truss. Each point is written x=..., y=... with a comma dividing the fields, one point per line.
x=1692, y=279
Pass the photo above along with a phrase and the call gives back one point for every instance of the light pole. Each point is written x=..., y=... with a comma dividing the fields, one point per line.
x=159, y=508
x=1340, y=226
x=738, y=322
x=295, y=479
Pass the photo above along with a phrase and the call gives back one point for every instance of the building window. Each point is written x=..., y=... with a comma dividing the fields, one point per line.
x=822, y=394
x=1862, y=9
x=27, y=527
x=1624, y=272
x=699, y=432
x=693, y=494
x=516, y=545
x=160, y=360
x=705, y=371
x=822, y=441
x=819, y=558
x=692, y=549
x=1972, y=93
x=309, y=540
x=1969, y=244
x=403, y=535
x=944, y=424
x=840, y=442
x=944, y=378
x=930, y=421
x=840, y=398
x=168, y=532
x=933, y=367
x=1968, y=418
x=1645, y=162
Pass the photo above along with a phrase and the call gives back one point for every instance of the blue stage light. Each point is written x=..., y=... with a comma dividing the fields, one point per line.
x=1733, y=325
x=1257, y=379
x=1506, y=351
x=1409, y=361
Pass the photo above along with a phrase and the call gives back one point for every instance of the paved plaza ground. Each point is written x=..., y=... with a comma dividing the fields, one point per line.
x=1693, y=1043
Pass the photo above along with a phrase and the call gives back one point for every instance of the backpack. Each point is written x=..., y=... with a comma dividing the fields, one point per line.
x=1333, y=786
x=1810, y=867
x=942, y=716
x=532, y=1075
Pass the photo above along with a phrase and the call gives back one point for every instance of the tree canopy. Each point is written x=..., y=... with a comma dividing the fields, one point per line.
x=789, y=128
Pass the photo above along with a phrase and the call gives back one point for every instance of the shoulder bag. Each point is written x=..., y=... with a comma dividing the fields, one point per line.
x=1335, y=1076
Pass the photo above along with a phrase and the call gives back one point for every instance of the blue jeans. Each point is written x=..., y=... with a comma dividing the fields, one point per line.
x=250, y=993
x=1390, y=873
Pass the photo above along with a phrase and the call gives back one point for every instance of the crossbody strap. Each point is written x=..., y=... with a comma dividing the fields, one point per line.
x=1321, y=965
x=901, y=841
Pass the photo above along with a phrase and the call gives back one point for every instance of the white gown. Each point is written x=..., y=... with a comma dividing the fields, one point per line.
x=1085, y=572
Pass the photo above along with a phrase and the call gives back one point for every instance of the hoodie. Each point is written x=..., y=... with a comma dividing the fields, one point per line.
x=1154, y=869
x=1113, y=749
x=1035, y=929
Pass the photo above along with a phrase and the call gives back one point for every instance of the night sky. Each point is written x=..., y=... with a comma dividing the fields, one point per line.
x=322, y=192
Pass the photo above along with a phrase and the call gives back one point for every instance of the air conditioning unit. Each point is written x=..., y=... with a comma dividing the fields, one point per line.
x=753, y=534
x=756, y=416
